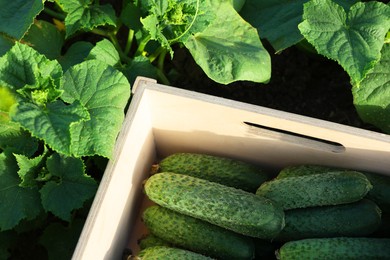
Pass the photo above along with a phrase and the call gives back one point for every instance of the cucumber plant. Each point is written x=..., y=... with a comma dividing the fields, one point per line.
x=353, y=33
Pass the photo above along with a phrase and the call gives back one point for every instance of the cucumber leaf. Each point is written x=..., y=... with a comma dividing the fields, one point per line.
x=229, y=49
x=277, y=20
x=84, y=15
x=51, y=123
x=45, y=38
x=18, y=15
x=30, y=74
x=77, y=53
x=353, y=39
x=104, y=92
x=71, y=188
x=29, y=168
x=17, y=140
x=17, y=203
x=5, y=44
x=60, y=241
x=372, y=95
x=105, y=51
x=172, y=21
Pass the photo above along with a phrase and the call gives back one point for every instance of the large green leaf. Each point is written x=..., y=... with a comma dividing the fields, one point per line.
x=17, y=203
x=353, y=39
x=45, y=38
x=372, y=95
x=229, y=49
x=17, y=16
x=5, y=44
x=30, y=74
x=51, y=123
x=84, y=15
x=105, y=51
x=277, y=20
x=104, y=91
x=71, y=189
x=77, y=53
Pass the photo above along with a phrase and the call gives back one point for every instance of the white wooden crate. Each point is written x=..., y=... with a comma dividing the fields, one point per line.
x=162, y=120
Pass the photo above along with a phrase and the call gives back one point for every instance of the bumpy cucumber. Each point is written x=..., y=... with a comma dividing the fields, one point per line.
x=234, y=209
x=360, y=218
x=336, y=248
x=150, y=240
x=197, y=235
x=380, y=192
x=330, y=188
x=171, y=253
x=230, y=172
x=305, y=169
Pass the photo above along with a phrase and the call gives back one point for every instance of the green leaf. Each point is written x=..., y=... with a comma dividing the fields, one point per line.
x=45, y=38
x=30, y=74
x=17, y=16
x=17, y=202
x=72, y=188
x=172, y=21
x=16, y=140
x=77, y=53
x=353, y=39
x=372, y=95
x=229, y=49
x=104, y=91
x=131, y=16
x=139, y=66
x=51, y=123
x=277, y=20
x=5, y=44
x=60, y=241
x=84, y=15
x=105, y=51
x=29, y=168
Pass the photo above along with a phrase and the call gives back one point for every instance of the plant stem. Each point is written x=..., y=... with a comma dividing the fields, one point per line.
x=129, y=42
x=163, y=79
x=54, y=14
x=142, y=45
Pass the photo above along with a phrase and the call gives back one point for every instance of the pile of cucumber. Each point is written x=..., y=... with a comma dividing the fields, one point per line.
x=209, y=207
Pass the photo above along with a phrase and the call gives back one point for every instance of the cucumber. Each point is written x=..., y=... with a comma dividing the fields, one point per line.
x=356, y=219
x=380, y=193
x=150, y=240
x=336, y=248
x=330, y=188
x=305, y=169
x=197, y=235
x=168, y=253
x=228, y=207
x=229, y=172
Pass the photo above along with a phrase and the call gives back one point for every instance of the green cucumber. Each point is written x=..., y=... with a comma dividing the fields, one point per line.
x=380, y=192
x=150, y=240
x=330, y=188
x=305, y=169
x=230, y=172
x=197, y=235
x=336, y=248
x=168, y=253
x=234, y=209
x=356, y=219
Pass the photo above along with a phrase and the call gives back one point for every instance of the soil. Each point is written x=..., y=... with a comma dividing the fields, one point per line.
x=301, y=82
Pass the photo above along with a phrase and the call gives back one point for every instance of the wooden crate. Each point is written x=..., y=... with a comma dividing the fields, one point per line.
x=162, y=120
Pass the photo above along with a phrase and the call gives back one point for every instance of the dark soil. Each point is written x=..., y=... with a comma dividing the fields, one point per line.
x=301, y=83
